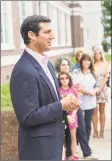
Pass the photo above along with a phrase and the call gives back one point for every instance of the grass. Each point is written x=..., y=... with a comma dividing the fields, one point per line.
x=5, y=97
x=108, y=57
x=5, y=109
x=73, y=61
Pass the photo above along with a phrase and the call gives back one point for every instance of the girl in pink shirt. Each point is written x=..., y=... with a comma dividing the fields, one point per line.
x=66, y=87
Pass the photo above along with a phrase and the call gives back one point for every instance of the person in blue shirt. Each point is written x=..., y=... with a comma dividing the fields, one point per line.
x=78, y=57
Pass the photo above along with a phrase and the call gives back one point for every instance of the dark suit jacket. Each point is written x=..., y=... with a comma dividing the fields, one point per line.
x=38, y=111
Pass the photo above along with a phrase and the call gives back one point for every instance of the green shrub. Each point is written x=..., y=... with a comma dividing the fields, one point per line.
x=73, y=60
x=108, y=57
x=5, y=96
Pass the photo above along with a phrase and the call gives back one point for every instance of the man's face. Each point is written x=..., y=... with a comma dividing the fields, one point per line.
x=44, y=39
x=42, y=42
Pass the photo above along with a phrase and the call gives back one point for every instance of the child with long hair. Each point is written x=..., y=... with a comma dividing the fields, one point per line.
x=65, y=83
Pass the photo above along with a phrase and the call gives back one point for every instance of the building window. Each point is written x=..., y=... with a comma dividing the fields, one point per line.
x=6, y=26
x=68, y=30
x=43, y=8
x=62, y=32
x=38, y=7
x=26, y=9
x=87, y=32
x=52, y=12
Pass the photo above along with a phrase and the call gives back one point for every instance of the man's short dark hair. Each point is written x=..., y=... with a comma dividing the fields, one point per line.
x=32, y=23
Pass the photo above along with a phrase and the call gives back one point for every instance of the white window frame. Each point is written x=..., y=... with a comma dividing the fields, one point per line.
x=61, y=24
x=44, y=8
x=38, y=7
x=7, y=45
x=68, y=30
x=28, y=12
x=53, y=12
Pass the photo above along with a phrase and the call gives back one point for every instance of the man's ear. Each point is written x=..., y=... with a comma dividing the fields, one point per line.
x=31, y=35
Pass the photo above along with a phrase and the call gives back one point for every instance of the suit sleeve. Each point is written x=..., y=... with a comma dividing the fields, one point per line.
x=24, y=96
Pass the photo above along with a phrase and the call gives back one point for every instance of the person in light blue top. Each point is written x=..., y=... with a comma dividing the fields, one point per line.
x=85, y=76
x=78, y=56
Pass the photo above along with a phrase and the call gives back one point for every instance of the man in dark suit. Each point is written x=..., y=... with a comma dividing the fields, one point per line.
x=35, y=96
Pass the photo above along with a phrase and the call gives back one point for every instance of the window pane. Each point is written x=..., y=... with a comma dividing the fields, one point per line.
x=52, y=12
x=29, y=8
x=62, y=34
x=38, y=7
x=68, y=30
x=2, y=22
x=6, y=23
x=23, y=7
x=1, y=35
x=26, y=10
x=5, y=7
x=43, y=8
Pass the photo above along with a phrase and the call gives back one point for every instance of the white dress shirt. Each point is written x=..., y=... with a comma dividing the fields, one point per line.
x=89, y=82
x=43, y=61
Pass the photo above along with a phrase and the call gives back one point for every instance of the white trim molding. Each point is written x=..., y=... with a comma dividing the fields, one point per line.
x=12, y=59
x=28, y=11
x=61, y=6
x=76, y=11
x=5, y=46
x=9, y=60
x=57, y=52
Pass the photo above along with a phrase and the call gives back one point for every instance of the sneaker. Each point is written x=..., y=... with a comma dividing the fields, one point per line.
x=91, y=157
x=75, y=158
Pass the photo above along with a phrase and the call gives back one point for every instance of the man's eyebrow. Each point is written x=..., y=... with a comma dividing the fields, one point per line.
x=48, y=30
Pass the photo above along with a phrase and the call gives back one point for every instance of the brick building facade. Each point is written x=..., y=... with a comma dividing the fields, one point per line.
x=67, y=19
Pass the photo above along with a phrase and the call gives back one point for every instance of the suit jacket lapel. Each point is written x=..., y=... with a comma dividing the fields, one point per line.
x=46, y=79
x=42, y=73
x=54, y=77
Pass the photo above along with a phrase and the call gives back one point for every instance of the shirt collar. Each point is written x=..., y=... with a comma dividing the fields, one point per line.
x=88, y=72
x=41, y=59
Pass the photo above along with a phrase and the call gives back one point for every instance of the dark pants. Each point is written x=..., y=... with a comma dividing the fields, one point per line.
x=88, y=118
x=81, y=136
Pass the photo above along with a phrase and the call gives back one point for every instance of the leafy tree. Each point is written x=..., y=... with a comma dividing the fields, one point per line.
x=107, y=12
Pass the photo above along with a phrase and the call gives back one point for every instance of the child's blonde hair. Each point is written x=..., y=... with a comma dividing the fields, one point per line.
x=78, y=53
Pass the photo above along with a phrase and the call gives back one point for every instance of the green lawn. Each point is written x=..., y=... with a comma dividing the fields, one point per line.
x=72, y=58
x=5, y=98
x=5, y=109
x=108, y=58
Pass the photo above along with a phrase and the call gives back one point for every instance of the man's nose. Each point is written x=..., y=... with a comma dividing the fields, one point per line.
x=52, y=36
